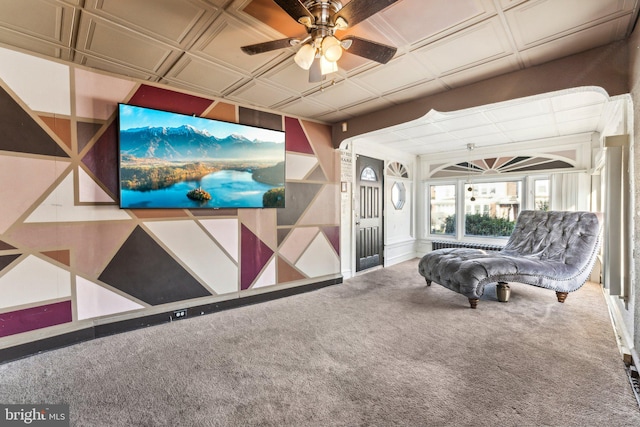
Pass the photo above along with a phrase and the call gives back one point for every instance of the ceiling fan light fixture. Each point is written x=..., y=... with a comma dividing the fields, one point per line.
x=327, y=67
x=306, y=21
x=341, y=23
x=304, y=56
x=331, y=48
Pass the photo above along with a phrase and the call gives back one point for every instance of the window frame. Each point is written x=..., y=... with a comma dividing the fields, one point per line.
x=532, y=191
x=527, y=202
x=428, y=205
x=461, y=222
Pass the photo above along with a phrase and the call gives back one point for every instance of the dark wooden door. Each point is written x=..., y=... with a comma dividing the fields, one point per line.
x=368, y=213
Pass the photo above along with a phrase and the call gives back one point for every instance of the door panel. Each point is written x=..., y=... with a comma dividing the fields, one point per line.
x=369, y=235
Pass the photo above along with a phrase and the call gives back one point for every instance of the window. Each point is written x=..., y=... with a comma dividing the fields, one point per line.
x=368, y=174
x=541, y=194
x=398, y=195
x=482, y=207
x=442, y=212
x=493, y=208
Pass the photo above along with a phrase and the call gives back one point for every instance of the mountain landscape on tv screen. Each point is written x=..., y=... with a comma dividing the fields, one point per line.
x=187, y=167
x=188, y=143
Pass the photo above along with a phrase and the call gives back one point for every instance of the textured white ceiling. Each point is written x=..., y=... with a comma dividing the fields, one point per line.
x=442, y=44
x=562, y=113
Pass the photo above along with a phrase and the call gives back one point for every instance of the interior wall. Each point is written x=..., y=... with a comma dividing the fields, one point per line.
x=606, y=66
x=70, y=258
x=574, y=150
x=634, y=84
x=399, y=225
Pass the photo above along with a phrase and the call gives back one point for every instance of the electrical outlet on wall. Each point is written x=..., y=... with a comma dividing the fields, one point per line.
x=179, y=314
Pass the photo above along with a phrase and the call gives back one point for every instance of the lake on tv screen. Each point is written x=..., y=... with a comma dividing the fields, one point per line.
x=170, y=160
x=228, y=189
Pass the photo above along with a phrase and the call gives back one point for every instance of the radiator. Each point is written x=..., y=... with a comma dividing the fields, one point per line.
x=441, y=244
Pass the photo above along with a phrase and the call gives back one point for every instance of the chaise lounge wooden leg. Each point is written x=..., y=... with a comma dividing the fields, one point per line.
x=473, y=302
x=428, y=282
x=562, y=296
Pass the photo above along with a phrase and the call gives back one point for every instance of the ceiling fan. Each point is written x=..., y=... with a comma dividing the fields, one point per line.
x=320, y=49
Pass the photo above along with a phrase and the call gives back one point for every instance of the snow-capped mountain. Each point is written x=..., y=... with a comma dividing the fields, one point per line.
x=188, y=143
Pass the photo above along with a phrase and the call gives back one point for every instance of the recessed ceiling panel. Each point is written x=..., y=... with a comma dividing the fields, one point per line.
x=461, y=121
x=417, y=131
x=33, y=44
x=258, y=93
x=420, y=89
x=538, y=21
x=527, y=122
x=342, y=95
x=223, y=41
x=437, y=138
x=288, y=75
x=442, y=44
x=218, y=3
x=270, y=13
x=592, y=112
x=436, y=16
x=575, y=42
x=109, y=66
x=471, y=132
x=530, y=134
x=515, y=111
x=304, y=107
x=193, y=72
x=482, y=71
x=368, y=106
x=487, y=140
x=334, y=116
x=175, y=21
x=45, y=20
x=582, y=125
x=400, y=72
x=482, y=43
x=384, y=137
x=106, y=40
x=368, y=30
x=579, y=99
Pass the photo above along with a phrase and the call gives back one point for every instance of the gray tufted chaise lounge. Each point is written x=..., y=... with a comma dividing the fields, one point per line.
x=553, y=250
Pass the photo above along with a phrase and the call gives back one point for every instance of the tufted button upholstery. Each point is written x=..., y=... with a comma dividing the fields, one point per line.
x=554, y=250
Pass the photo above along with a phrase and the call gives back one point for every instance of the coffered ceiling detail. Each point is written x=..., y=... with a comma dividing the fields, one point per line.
x=195, y=45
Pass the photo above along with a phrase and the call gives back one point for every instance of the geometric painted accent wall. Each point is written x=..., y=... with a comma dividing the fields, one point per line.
x=70, y=255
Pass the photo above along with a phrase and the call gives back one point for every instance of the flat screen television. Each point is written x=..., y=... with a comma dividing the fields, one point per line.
x=171, y=160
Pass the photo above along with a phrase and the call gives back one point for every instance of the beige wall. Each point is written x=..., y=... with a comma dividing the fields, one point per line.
x=606, y=67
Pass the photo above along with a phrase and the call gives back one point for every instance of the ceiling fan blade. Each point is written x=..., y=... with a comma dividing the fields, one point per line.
x=315, y=72
x=358, y=10
x=252, y=49
x=371, y=50
x=296, y=10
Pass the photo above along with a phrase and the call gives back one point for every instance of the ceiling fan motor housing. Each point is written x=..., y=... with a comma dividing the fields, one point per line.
x=323, y=11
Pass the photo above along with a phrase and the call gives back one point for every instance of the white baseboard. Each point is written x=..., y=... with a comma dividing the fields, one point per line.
x=399, y=251
x=624, y=338
x=388, y=262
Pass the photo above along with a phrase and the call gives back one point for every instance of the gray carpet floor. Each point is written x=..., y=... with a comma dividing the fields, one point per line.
x=381, y=349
